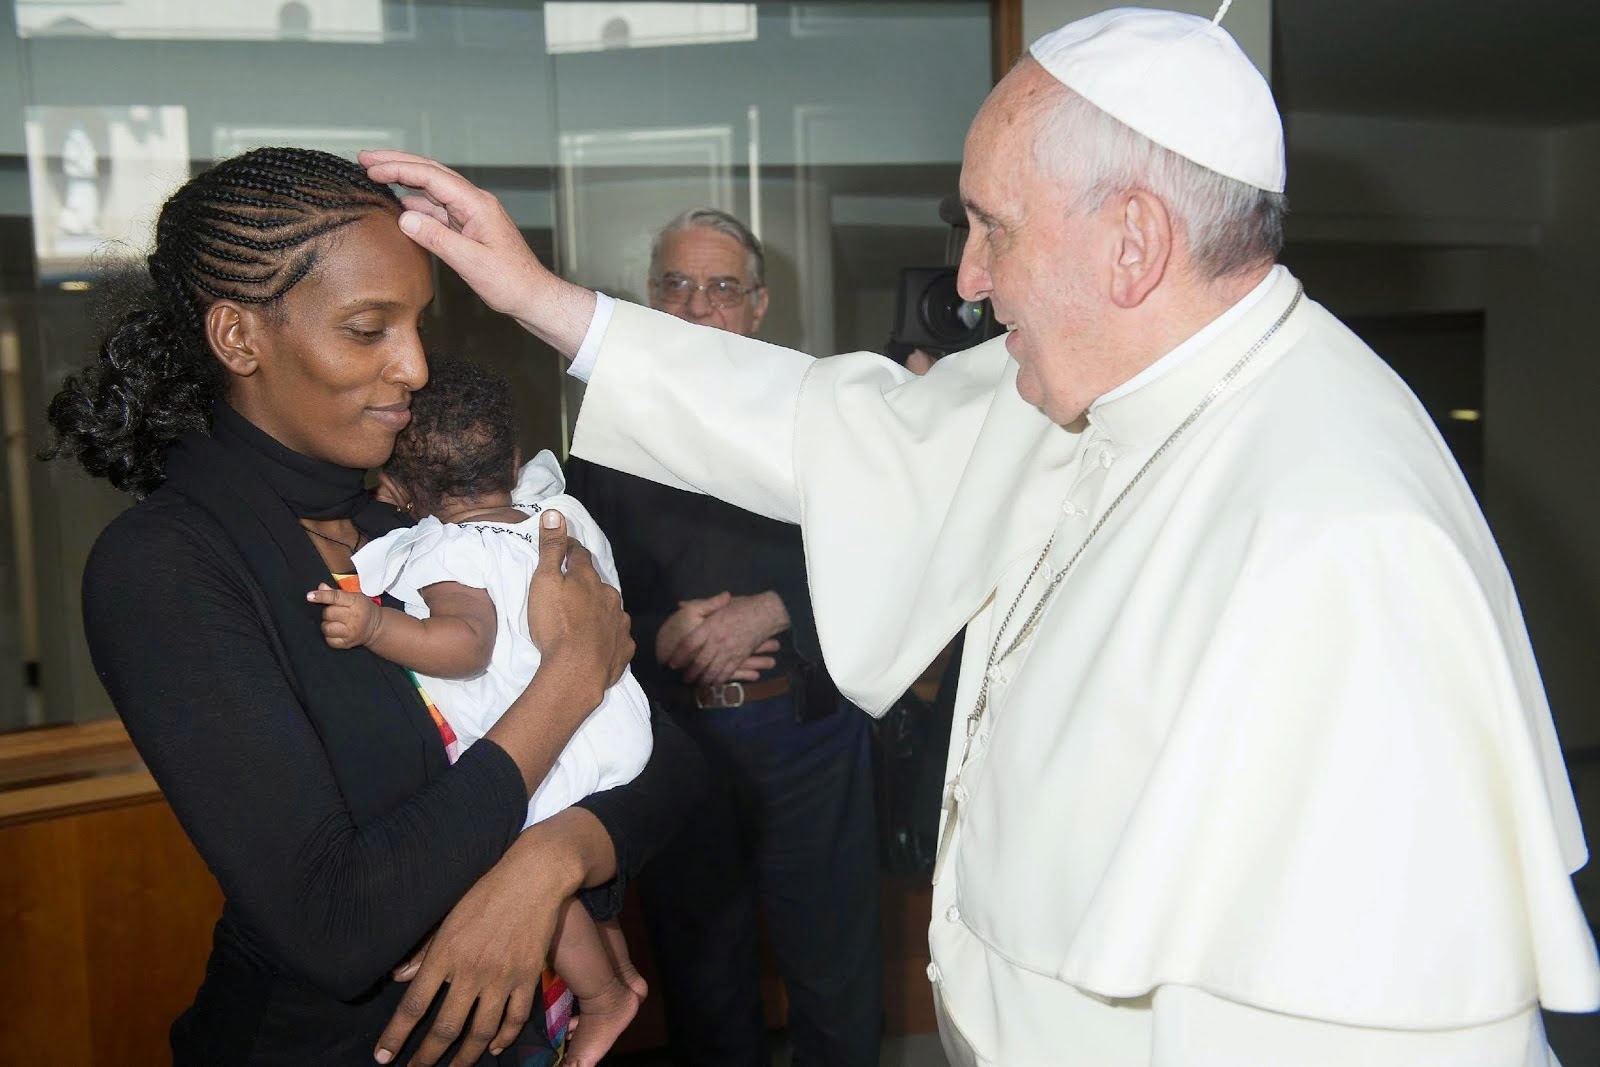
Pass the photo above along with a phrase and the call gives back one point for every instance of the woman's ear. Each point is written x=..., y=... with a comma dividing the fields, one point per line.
x=233, y=334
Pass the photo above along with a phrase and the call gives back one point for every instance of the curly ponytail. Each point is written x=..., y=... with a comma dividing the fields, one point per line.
x=245, y=230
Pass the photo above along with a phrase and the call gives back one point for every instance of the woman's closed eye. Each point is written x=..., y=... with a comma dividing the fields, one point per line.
x=366, y=332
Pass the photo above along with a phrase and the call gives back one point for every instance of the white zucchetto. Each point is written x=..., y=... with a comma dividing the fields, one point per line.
x=1181, y=80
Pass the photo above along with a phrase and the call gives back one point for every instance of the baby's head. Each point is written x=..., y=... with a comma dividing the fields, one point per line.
x=461, y=444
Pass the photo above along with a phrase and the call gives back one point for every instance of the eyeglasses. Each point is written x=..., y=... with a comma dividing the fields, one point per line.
x=721, y=292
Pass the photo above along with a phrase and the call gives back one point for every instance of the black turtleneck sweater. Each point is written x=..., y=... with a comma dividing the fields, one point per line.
x=338, y=832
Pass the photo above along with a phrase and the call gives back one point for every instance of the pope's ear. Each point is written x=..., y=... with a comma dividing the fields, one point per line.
x=234, y=334
x=1144, y=246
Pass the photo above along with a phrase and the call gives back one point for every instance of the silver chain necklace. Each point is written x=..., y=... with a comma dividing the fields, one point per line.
x=1000, y=651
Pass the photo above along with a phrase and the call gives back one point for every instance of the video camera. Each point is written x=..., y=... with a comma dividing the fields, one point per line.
x=929, y=313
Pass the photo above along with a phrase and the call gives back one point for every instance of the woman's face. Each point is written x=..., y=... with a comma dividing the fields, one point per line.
x=337, y=359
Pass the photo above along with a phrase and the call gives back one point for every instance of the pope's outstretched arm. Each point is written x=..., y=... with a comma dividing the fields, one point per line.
x=866, y=457
x=682, y=405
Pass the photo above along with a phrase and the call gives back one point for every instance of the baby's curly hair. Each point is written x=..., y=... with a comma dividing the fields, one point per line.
x=461, y=442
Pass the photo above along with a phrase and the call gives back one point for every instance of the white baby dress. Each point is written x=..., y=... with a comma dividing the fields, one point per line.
x=613, y=743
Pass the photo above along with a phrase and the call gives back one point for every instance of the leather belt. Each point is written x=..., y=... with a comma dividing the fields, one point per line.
x=735, y=694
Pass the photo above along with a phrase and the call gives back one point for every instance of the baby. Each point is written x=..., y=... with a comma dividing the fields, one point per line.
x=469, y=559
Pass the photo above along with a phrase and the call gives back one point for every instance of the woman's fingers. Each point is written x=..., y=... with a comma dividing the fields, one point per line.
x=449, y=1025
x=483, y=1028
x=408, y=970
x=409, y=1012
x=519, y=1009
x=580, y=564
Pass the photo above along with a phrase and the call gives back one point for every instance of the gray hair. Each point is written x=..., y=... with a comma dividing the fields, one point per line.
x=1230, y=227
x=709, y=218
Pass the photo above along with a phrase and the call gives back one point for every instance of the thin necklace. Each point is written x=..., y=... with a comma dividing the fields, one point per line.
x=1001, y=650
x=342, y=544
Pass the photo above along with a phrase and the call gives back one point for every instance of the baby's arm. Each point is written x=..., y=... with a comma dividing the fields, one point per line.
x=455, y=642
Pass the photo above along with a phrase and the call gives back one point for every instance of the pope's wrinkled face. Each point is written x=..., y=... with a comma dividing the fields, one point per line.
x=706, y=260
x=337, y=358
x=1044, y=266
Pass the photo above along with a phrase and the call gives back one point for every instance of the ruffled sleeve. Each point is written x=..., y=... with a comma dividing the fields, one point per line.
x=406, y=561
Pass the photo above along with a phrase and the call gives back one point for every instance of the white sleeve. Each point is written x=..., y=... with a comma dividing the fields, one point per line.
x=583, y=363
x=695, y=408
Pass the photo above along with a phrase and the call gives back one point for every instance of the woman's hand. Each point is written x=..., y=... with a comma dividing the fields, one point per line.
x=469, y=229
x=574, y=617
x=577, y=623
x=493, y=945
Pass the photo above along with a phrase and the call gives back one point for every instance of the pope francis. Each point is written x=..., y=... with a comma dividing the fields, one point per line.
x=1252, y=763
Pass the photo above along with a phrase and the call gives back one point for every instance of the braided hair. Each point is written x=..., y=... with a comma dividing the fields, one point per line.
x=246, y=230
x=461, y=441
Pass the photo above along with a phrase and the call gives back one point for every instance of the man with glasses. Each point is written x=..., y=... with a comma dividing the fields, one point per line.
x=722, y=619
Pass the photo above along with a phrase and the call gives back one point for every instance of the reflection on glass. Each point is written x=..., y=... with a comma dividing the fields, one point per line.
x=227, y=141
x=586, y=27
x=832, y=129
x=98, y=175
x=316, y=20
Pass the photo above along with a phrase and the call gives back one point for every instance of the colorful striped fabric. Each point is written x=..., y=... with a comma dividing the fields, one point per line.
x=531, y=1049
x=351, y=583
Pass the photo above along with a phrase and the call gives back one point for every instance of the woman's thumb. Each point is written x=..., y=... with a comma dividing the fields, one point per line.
x=552, y=540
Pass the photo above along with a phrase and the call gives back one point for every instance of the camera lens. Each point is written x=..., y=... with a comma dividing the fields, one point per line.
x=950, y=319
x=971, y=313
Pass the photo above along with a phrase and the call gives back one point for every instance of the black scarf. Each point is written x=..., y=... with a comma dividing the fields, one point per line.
x=381, y=741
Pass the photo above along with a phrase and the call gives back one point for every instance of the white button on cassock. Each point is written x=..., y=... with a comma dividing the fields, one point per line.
x=933, y=972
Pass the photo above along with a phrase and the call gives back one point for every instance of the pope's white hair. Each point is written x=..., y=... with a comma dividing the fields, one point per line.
x=1229, y=226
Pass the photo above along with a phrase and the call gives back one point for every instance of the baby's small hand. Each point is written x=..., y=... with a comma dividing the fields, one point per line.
x=349, y=620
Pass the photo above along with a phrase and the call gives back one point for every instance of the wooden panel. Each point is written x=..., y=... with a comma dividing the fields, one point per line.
x=43, y=987
x=105, y=924
x=149, y=905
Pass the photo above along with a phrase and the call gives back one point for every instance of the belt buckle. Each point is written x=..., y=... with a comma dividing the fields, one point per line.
x=723, y=695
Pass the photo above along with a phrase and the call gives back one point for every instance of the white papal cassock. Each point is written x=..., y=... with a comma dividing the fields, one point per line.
x=1273, y=783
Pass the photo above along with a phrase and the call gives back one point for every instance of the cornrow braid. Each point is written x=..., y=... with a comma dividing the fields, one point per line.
x=246, y=230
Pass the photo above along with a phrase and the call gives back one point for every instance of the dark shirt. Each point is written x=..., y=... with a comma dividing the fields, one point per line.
x=673, y=545
x=320, y=903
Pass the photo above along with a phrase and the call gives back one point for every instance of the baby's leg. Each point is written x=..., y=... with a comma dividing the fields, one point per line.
x=606, y=1005
x=621, y=962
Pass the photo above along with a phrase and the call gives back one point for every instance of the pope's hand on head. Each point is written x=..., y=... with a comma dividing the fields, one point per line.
x=469, y=229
